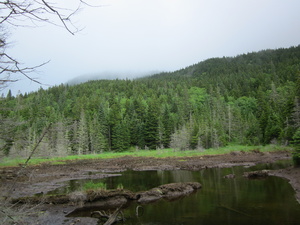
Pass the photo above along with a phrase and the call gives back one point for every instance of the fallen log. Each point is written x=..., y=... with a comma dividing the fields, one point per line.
x=257, y=174
x=229, y=176
x=114, y=198
x=167, y=191
x=114, y=217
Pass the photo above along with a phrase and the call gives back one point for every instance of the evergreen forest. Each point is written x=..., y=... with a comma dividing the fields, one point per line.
x=249, y=99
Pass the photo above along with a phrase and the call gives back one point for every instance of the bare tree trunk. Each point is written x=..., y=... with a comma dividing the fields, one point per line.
x=37, y=144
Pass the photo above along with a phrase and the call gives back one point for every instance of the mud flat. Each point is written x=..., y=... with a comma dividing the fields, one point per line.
x=24, y=183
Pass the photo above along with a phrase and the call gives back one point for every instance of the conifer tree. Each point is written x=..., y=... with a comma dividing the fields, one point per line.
x=62, y=143
x=121, y=136
x=83, y=135
x=151, y=125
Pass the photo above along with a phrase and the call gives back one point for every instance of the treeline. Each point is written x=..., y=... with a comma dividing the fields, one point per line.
x=249, y=99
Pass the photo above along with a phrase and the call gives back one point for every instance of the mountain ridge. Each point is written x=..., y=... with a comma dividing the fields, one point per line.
x=250, y=99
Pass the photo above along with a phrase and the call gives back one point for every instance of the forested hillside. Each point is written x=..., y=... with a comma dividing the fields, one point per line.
x=249, y=99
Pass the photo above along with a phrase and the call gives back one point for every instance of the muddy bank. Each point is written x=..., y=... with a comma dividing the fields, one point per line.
x=114, y=198
x=293, y=175
x=83, y=201
x=28, y=181
x=17, y=183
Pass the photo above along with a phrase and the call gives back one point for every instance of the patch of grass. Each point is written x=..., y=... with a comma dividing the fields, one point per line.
x=94, y=186
x=8, y=162
x=274, y=148
x=120, y=187
x=160, y=153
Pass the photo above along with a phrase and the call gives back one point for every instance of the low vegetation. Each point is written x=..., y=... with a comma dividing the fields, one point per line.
x=94, y=186
x=146, y=153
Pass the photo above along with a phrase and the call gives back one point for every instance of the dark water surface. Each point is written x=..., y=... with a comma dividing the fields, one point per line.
x=220, y=201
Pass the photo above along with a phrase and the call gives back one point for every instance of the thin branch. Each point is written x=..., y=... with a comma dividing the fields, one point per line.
x=59, y=16
x=89, y=5
x=17, y=13
x=31, y=69
x=24, y=71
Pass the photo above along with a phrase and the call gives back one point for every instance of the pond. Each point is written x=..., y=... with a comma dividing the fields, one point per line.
x=220, y=201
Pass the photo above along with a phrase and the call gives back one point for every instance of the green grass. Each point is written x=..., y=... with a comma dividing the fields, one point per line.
x=94, y=186
x=120, y=187
x=162, y=153
x=6, y=162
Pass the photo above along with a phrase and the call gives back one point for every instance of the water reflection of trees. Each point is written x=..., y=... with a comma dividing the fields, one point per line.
x=175, y=176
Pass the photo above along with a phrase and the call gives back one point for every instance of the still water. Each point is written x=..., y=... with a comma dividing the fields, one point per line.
x=219, y=201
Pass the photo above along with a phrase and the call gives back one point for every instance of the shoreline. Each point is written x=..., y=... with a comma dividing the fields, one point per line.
x=45, y=177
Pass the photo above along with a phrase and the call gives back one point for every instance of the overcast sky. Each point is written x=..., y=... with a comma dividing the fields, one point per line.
x=139, y=36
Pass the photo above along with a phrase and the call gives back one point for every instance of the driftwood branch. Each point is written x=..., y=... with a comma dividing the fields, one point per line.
x=111, y=218
x=10, y=217
x=60, y=16
x=9, y=65
x=114, y=217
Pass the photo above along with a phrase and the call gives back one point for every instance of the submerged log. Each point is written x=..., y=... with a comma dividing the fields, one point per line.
x=110, y=218
x=115, y=198
x=168, y=191
x=114, y=217
x=257, y=174
x=229, y=176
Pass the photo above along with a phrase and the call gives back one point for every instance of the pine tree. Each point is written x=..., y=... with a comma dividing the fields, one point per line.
x=296, y=112
x=166, y=127
x=121, y=136
x=95, y=135
x=137, y=130
x=83, y=135
x=9, y=95
x=62, y=142
x=104, y=128
x=151, y=125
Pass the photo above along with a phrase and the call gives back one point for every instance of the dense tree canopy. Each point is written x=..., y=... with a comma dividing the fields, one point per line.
x=248, y=99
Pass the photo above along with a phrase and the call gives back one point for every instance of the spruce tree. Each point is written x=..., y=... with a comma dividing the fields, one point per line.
x=83, y=135
x=151, y=125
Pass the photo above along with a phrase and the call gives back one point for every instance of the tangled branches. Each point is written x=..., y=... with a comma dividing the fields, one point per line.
x=31, y=13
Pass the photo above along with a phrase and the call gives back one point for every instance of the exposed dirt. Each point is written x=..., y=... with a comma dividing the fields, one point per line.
x=293, y=175
x=23, y=182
